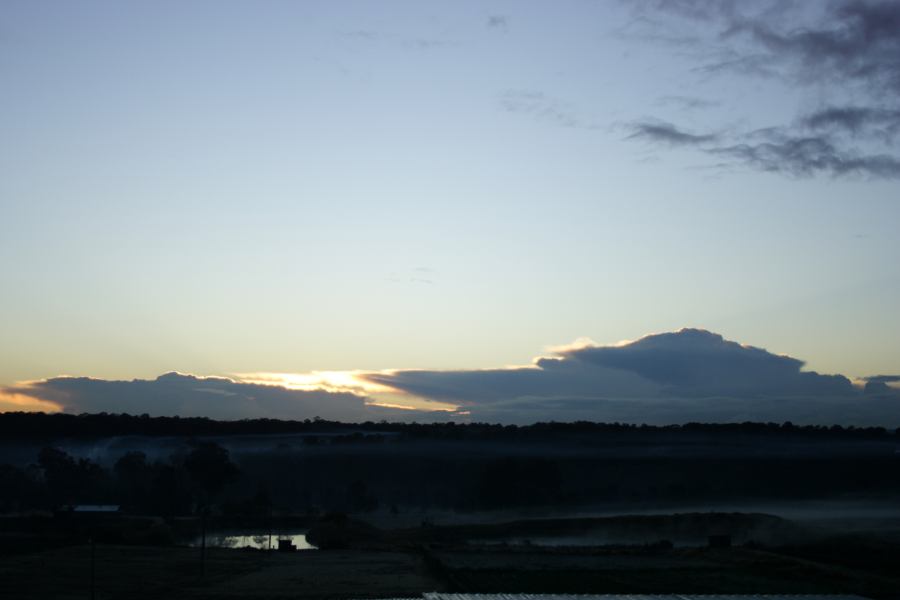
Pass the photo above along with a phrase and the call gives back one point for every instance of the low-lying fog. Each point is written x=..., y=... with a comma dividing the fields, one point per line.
x=408, y=481
x=106, y=451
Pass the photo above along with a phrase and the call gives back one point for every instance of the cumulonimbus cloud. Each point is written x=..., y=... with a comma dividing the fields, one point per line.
x=689, y=375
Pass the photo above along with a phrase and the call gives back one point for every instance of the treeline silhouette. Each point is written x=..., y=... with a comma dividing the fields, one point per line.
x=179, y=485
x=19, y=425
x=305, y=467
x=354, y=477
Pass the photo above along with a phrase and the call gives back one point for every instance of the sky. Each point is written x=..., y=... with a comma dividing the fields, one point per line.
x=334, y=202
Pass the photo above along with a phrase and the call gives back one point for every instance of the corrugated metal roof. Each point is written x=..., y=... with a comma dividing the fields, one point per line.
x=442, y=596
x=95, y=508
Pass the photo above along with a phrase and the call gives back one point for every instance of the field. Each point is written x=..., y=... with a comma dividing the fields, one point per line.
x=409, y=569
x=148, y=572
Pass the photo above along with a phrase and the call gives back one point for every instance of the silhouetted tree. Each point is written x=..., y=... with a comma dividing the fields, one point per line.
x=519, y=482
x=17, y=491
x=210, y=467
x=170, y=493
x=134, y=481
x=359, y=498
x=70, y=481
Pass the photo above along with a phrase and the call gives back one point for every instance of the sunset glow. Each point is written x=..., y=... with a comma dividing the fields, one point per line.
x=352, y=382
x=470, y=188
x=332, y=381
x=15, y=401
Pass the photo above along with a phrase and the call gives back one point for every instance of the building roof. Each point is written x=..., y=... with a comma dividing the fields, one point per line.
x=105, y=508
x=442, y=596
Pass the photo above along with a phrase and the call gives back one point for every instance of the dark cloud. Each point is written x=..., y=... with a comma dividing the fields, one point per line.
x=883, y=378
x=850, y=46
x=785, y=150
x=809, y=155
x=850, y=41
x=878, y=385
x=856, y=121
x=500, y=22
x=666, y=133
x=854, y=41
x=487, y=386
x=690, y=375
x=187, y=395
x=695, y=362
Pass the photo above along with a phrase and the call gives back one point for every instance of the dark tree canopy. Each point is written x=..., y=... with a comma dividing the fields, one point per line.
x=208, y=464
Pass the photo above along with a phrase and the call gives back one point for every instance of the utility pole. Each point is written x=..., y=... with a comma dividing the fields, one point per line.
x=203, y=543
x=93, y=569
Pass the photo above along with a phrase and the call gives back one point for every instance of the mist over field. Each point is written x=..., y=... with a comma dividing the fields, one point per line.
x=548, y=468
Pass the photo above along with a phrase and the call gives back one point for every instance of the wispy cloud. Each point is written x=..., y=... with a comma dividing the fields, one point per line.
x=371, y=36
x=840, y=48
x=855, y=120
x=544, y=108
x=498, y=22
x=666, y=133
x=804, y=156
x=784, y=150
x=687, y=102
x=853, y=41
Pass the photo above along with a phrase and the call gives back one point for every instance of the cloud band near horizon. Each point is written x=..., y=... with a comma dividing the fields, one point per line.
x=668, y=378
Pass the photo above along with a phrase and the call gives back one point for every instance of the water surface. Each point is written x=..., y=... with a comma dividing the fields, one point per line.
x=251, y=540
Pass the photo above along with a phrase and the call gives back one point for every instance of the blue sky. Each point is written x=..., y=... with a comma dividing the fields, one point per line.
x=220, y=188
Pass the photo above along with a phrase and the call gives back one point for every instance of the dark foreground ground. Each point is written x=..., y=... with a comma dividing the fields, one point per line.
x=144, y=572
x=855, y=564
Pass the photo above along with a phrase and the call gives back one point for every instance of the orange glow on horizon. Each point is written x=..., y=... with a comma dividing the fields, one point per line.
x=346, y=382
x=330, y=381
x=19, y=402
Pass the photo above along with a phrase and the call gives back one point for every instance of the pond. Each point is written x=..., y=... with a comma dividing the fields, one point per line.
x=231, y=539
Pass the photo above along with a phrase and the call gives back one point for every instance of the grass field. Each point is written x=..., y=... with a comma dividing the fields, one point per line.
x=153, y=573
x=135, y=572
x=49, y=559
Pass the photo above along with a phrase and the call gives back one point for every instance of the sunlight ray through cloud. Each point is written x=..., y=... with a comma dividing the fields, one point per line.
x=14, y=401
x=332, y=381
x=352, y=382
